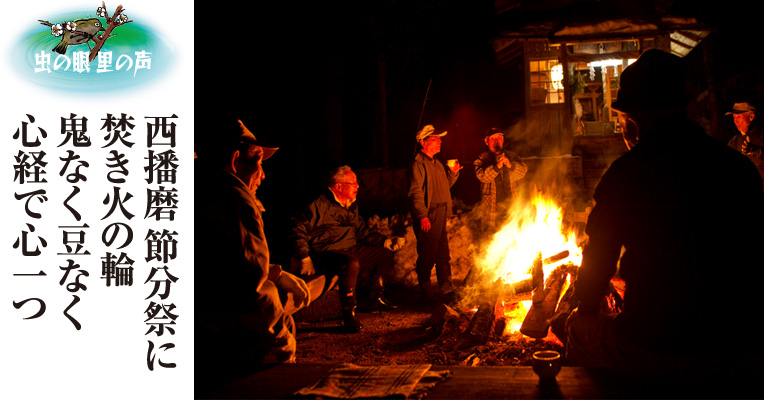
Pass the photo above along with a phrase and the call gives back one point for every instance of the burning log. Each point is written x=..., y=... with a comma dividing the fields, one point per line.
x=545, y=298
x=557, y=257
x=481, y=325
x=568, y=303
x=527, y=285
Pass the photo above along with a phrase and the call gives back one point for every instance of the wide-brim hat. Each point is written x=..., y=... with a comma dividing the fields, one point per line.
x=246, y=136
x=428, y=130
x=740, y=108
x=656, y=81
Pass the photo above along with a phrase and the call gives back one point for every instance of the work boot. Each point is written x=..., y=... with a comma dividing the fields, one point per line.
x=378, y=299
x=349, y=320
x=382, y=303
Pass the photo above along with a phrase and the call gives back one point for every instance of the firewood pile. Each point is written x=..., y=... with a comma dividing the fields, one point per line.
x=478, y=336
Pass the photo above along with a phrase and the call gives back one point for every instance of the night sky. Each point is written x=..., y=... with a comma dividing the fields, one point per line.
x=304, y=77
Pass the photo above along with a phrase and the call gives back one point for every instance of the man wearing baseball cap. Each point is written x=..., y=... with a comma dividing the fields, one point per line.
x=240, y=319
x=665, y=219
x=498, y=171
x=430, y=203
x=749, y=139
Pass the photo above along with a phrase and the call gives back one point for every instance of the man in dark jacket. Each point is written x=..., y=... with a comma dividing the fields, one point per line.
x=749, y=139
x=330, y=238
x=670, y=204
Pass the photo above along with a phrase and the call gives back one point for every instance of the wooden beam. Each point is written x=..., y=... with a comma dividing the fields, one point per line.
x=601, y=57
x=692, y=36
x=681, y=44
x=600, y=36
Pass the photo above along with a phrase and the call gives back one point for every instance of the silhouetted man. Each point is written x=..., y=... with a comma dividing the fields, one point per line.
x=686, y=209
x=242, y=316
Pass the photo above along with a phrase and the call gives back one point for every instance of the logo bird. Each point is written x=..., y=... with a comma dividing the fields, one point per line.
x=76, y=32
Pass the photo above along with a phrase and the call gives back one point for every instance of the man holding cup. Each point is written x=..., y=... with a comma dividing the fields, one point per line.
x=430, y=202
x=498, y=171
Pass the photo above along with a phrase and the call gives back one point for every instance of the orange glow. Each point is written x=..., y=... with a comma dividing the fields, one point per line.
x=530, y=229
x=515, y=314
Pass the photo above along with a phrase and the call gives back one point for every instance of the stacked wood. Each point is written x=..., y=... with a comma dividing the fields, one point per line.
x=545, y=299
x=482, y=323
x=567, y=304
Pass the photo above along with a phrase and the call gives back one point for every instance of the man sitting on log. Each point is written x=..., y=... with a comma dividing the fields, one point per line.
x=674, y=203
x=331, y=238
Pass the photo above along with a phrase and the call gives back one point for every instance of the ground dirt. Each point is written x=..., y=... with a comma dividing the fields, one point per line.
x=414, y=333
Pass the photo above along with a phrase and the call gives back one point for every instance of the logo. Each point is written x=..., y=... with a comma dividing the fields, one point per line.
x=91, y=51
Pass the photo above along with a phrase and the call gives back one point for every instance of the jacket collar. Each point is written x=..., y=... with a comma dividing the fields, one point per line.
x=331, y=196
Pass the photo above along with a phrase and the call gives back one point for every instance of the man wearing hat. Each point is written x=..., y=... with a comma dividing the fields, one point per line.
x=748, y=140
x=498, y=171
x=241, y=320
x=430, y=203
x=665, y=220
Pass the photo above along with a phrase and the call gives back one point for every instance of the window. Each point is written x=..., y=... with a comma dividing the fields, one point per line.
x=546, y=82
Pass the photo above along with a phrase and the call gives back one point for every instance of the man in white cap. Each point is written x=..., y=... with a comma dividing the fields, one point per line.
x=241, y=320
x=430, y=203
x=748, y=140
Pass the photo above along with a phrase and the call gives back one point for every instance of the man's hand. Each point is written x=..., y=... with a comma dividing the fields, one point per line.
x=394, y=243
x=746, y=148
x=503, y=161
x=299, y=289
x=307, y=268
x=424, y=223
x=455, y=167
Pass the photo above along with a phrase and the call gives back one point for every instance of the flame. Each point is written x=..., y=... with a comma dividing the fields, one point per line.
x=531, y=228
x=528, y=231
x=515, y=314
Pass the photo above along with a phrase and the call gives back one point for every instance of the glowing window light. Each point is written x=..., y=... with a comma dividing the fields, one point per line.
x=610, y=63
x=557, y=77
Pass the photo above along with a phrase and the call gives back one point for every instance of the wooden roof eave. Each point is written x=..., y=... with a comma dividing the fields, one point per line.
x=553, y=36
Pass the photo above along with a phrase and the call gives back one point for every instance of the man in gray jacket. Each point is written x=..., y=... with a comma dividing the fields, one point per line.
x=430, y=202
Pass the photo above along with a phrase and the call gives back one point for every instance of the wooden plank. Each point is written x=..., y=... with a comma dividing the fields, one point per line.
x=282, y=380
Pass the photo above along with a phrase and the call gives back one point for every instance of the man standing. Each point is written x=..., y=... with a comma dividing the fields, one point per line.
x=330, y=238
x=670, y=204
x=430, y=202
x=240, y=320
x=750, y=139
x=498, y=171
